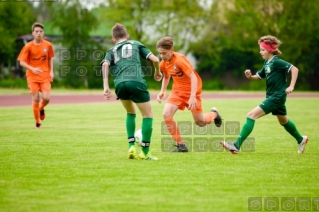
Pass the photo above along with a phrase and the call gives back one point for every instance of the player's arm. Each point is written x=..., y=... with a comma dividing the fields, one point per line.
x=250, y=76
x=51, y=69
x=165, y=82
x=192, y=98
x=193, y=84
x=24, y=54
x=51, y=56
x=155, y=60
x=27, y=66
x=105, y=74
x=294, y=75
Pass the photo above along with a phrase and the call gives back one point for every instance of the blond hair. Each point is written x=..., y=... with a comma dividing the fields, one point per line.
x=270, y=40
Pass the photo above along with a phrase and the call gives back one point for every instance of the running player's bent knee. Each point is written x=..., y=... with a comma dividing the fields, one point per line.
x=200, y=123
x=167, y=116
x=46, y=99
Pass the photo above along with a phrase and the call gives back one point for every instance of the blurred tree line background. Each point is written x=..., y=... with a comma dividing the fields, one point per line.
x=220, y=35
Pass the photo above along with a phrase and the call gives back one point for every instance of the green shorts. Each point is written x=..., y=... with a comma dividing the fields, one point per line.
x=275, y=105
x=131, y=90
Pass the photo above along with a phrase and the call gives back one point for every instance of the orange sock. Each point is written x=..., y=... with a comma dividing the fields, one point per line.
x=209, y=117
x=36, y=112
x=42, y=104
x=173, y=130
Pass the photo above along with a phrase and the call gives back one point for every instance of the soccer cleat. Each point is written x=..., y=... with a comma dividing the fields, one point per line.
x=180, y=148
x=37, y=126
x=42, y=114
x=132, y=153
x=142, y=156
x=302, y=144
x=218, y=120
x=230, y=147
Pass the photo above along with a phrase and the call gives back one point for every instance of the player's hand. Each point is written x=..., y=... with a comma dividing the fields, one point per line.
x=107, y=93
x=158, y=76
x=37, y=70
x=192, y=103
x=51, y=76
x=289, y=89
x=248, y=73
x=160, y=97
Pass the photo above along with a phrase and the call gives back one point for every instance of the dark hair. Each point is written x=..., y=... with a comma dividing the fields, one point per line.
x=165, y=43
x=37, y=25
x=119, y=31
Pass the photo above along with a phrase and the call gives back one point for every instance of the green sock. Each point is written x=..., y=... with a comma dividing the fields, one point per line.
x=130, y=128
x=147, y=128
x=291, y=128
x=245, y=131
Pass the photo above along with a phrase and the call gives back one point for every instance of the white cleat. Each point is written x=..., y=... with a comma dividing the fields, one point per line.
x=302, y=144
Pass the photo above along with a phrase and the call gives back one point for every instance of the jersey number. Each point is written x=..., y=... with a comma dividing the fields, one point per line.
x=127, y=51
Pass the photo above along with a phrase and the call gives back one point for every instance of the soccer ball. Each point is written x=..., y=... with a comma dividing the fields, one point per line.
x=138, y=137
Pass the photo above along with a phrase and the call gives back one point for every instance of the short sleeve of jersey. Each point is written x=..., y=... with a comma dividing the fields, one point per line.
x=23, y=56
x=185, y=65
x=50, y=52
x=144, y=52
x=108, y=57
x=261, y=73
x=282, y=65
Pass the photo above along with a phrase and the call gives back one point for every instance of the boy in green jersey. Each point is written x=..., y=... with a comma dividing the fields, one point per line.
x=123, y=63
x=274, y=71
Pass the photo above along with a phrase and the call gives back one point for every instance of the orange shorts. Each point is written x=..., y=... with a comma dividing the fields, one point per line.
x=182, y=102
x=39, y=86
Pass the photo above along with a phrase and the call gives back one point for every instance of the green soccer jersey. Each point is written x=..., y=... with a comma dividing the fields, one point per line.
x=275, y=70
x=124, y=61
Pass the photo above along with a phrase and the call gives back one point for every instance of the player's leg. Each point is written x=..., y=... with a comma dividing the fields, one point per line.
x=248, y=127
x=173, y=103
x=207, y=118
x=264, y=108
x=130, y=126
x=291, y=128
x=168, y=115
x=130, y=120
x=45, y=89
x=203, y=119
x=147, y=125
x=147, y=130
x=199, y=118
x=34, y=90
x=141, y=97
x=124, y=94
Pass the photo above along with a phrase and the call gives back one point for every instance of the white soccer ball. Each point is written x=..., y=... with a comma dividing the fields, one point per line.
x=138, y=137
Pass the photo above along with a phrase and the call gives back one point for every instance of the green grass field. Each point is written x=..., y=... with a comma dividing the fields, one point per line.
x=77, y=162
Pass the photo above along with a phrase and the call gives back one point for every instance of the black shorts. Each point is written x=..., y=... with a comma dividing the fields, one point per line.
x=131, y=90
x=275, y=105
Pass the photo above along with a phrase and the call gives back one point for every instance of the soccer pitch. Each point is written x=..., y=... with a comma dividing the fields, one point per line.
x=78, y=161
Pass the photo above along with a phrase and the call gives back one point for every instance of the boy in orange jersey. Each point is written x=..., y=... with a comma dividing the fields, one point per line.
x=186, y=91
x=37, y=57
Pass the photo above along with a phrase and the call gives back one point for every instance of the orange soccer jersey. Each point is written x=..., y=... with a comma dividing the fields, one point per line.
x=180, y=69
x=37, y=56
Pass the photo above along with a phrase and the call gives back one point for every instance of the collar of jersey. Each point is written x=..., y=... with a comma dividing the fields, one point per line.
x=271, y=59
x=174, y=57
